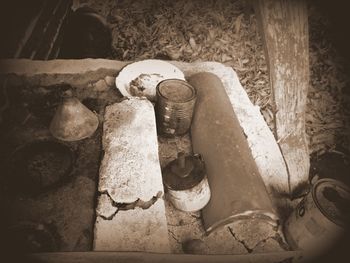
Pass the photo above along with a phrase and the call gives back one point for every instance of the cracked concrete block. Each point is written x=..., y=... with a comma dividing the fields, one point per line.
x=222, y=242
x=134, y=230
x=252, y=231
x=105, y=207
x=130, y=168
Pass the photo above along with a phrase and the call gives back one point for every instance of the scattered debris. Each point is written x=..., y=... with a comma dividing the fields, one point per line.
x=186, y=31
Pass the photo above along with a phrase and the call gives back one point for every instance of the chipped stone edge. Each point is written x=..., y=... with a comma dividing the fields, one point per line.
x=264, y=147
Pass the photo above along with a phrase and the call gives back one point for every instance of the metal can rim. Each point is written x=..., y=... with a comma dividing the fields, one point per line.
x=319, y=206
x=194, y=91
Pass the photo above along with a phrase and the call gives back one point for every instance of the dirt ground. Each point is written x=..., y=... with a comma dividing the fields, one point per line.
x=62, y=215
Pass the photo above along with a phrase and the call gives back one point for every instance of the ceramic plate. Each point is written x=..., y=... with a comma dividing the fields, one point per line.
x=141, y=78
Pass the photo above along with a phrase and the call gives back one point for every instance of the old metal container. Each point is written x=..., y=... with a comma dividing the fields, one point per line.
x=186, y=183
x=174, y=108
x=73, y=121
x=237, y=189
x=319, y=219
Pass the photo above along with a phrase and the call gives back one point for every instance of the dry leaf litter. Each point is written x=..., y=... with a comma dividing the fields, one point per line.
x=226, y=31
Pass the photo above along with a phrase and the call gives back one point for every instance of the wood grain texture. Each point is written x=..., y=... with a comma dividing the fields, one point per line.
x=284, y=27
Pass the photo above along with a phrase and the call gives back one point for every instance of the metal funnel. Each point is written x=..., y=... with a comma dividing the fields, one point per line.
x=73, y=121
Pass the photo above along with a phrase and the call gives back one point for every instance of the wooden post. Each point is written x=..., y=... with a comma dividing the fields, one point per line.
x=284, y=28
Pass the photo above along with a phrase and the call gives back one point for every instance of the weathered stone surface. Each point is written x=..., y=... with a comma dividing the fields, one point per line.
x=104, y=208
x=130, y=167
x=252, y=231
x=130, y=171
x=134, y=230
x=268, y=245
x=223, y=242
x=77, y=73
x=100, y=85
x=110, y=81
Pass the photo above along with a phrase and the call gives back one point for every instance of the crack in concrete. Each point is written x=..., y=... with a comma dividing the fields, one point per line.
x=260, y=242
x=139, y=203
x=249, y=250
x=173, y=236
x=275, y=237
x=108, y=217
x=130, y=206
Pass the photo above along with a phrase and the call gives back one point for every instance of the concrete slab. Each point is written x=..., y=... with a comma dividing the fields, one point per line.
x=251, y=232
x=223, y=243
x=130, y=167
x=130, y=175
x=134, y=230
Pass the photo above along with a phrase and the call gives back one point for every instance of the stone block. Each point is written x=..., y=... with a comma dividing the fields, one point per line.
x=252, y=231
x=130, y=168
x=223, y=242
x=134, y=230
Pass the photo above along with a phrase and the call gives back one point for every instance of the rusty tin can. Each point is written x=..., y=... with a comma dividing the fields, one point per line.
x=186, y=183
x=318, y=221
x=175, y=105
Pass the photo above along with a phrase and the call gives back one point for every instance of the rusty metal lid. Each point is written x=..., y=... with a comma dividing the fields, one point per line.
x=333, y=199
x=184, y=172
x=176, y=90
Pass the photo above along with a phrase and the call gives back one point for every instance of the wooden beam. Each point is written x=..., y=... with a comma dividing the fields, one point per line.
x=43, y=32
x=117, y=257
x=284, y=28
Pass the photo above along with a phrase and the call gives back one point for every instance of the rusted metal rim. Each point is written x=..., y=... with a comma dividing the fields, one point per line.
x=176, y=82
x=38, y=166
x=334, y=185
x=177, y=183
